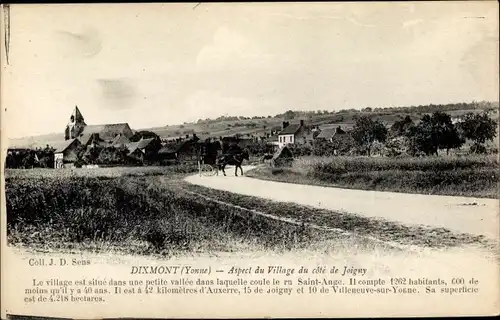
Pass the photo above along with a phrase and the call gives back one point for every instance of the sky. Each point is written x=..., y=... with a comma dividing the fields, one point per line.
x=153, y=65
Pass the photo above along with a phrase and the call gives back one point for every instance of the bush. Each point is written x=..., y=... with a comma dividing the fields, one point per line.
x=354, y=164
x=299, y=150
x=259, y=149
x=477, y=148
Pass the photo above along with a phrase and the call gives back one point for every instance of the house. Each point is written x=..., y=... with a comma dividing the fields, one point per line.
x=328, y=134
x=120, y=141
x=294, y=134
x=186, y=150
x=273, y=140
x=148, y=149
x=170, y=150
x=136, y=155
x=91, y=140
x=66, y=153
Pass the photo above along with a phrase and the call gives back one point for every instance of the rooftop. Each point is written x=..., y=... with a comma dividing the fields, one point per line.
x=61, y=147
x=291, y=129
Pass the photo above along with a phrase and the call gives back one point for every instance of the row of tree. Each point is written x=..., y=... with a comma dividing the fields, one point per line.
x=427, y=136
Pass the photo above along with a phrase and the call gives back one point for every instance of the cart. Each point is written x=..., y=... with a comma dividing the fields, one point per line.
x=207, y=161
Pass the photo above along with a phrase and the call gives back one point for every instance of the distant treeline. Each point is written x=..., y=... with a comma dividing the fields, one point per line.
x=429, y=108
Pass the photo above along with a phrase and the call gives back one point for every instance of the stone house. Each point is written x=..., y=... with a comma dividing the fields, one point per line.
x=66, y=153
x=295, y=134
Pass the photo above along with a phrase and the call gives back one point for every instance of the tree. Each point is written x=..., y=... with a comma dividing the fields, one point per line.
x=28, y=160
x=91, y=154
x=289, y=115
x=433, y=133
x=110, y=155
x=447, y=135
x=366, y=131
x=80, y=151
x=422, y=138
x=343, y=143
x=397, y=146
x=450, y=139
x=400, y=128
x=478, y=128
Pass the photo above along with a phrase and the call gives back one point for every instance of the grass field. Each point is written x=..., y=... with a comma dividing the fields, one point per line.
x=475, y=176
x=135, y=210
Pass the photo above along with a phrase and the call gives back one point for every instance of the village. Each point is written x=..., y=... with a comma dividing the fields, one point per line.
x=118, y=144
x=386, y=132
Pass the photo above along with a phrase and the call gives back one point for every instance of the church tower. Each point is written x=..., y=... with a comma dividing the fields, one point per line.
x=75, y=126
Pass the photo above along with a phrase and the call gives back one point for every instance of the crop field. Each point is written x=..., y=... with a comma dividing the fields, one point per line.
x=133, y=210
x=118, y=171
x=476, y=176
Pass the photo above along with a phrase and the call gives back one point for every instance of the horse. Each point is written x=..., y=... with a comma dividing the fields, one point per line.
x=234, y=160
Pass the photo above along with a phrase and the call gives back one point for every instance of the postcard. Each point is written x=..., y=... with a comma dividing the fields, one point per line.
x=250, y=160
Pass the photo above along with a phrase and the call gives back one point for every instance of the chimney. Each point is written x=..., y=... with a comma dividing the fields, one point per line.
x=301, y=122
x=285, y=124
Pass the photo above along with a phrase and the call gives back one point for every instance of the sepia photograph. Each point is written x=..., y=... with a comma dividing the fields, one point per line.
x=241, y=160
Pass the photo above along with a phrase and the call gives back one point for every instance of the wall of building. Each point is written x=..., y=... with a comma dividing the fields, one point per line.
x=286, y=139
x=58, y=160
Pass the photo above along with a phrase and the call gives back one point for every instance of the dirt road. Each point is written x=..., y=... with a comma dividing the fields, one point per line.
x=460, y=214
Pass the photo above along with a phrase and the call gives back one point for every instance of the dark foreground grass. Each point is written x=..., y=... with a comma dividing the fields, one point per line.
x=135, y=214
x=471, y=176
x=381, y=229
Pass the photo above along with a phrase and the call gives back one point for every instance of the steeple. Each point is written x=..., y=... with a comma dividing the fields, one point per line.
x=75, y=126
x=76, y=116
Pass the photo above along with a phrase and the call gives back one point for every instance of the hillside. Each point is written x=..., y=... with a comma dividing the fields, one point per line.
x=37, y=141
x=260, y=125
x=225, y=126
